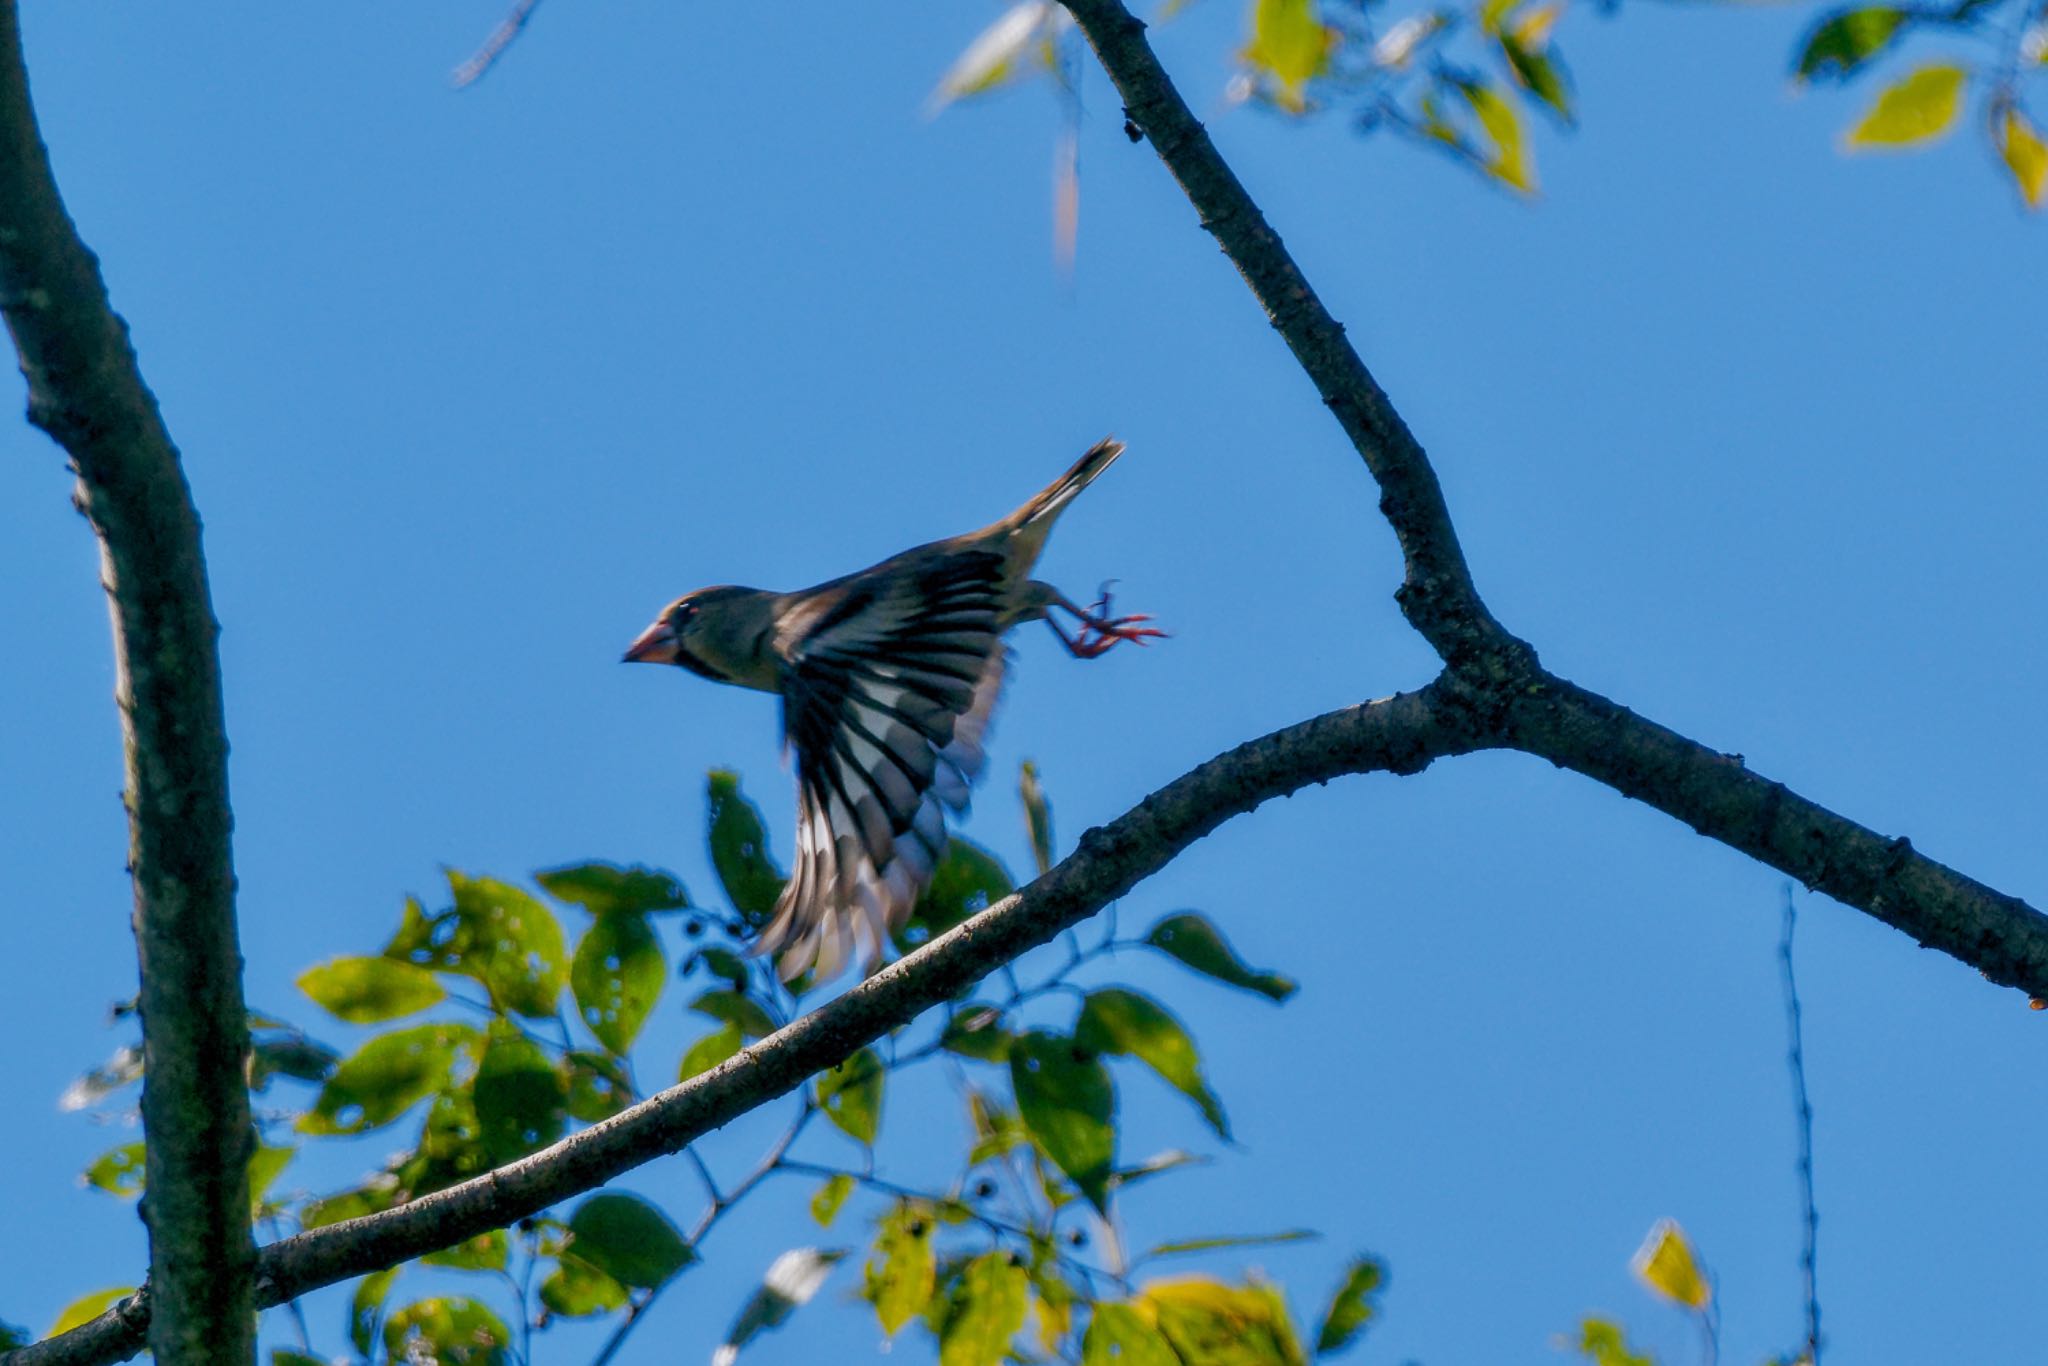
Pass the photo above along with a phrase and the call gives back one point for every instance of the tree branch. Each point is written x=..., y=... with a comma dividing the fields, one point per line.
x=1400, y=734
x=85, y=391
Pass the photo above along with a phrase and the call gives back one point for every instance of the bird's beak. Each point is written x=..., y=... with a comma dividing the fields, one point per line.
x=655, y=645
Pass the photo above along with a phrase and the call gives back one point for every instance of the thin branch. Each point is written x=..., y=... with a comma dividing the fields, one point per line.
x=85, y=390
x=486, y=57
x=1802, y=1113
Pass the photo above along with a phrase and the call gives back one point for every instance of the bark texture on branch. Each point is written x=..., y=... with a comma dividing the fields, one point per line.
x=84, y=390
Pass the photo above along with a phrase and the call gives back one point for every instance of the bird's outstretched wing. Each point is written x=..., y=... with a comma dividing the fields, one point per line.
x=887, y=691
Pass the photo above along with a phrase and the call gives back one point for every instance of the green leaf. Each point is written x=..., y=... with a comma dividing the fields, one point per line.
x=1170, y=1160
x=1509, y=161
x=367, y=1307
x=285, y=1356
x=520, y=1101
x=1123, y=1022
x=597, y=1086
x=1291, y=44
x=1182, y=1246
x=452, y=1330
x=1215, y=1324
x=13, y=1336
x=386, y=1077
x=1119, y=1335
x=739, y=850
x=451, y=1147
x=1602, y=1342
x=1190, y=938
x=977, y=1032
x=742, y=1012
x=380, y=1194
x=266, y=1164
x=1037, y=816
x=851, y=1095
x=1355, y=1304
x=1846, y=40
x=117, y=1171
x=577, y=1290
x=968, y=879
x=792, y=1281
x=826, y=1203
x=996, y=1129
x=1068, y=1103
x=485, y=1252
x=709, y=1051
x=987, y=1313
x=2026, y=155
x=723, y=962
x=86, y=1308
x=617, y=977
x=628, y=1239
x=903, y=1270
x=369, y=990
x=511, y=943
x=1915, y=108
x=1538, y=71
x=607, y=889
x=294, y=1055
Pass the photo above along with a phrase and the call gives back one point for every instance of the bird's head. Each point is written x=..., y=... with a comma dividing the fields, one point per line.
x=709, y=632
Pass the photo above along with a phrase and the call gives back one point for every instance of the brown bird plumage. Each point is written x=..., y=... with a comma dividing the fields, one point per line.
x=887, y=678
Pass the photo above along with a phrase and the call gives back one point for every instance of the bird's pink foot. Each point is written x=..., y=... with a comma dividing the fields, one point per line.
x=1100, y=631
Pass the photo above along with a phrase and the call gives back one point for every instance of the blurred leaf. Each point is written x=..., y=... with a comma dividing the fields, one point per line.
x=977, y=1032
x=451, y=1147
x=379, y=1194
x=13, y=1336
x=1509, y=161
x=117, y=1171
x=1190, y=937
x=792, y=1281
x=742, y=1012
x=739, y=851
x=596, y=1086
x=124, y=1067
x=2026, y=155
x=606, y=888
x=511, y=943
x=369, y=990
x=266, y=1164
x=1604, y=1344
x=520, y=1100
x=851, y=1095
x=485, y=1252
x=1401, y=42
x=968, y=879
x=452, y=1330
x=1053, y=1309
x=628, y=1239
x=291, y=1055
x=1121, y=1335
x=1918, y=106
x=1665, y=1263
x=1844, y=41
x=86, y=1308
x=386, y=1077
x=709, y=1051
x=1182, y=1246
x=999, y=54
x=1068, y=1103
x=902, y=1271
x=1037, y=816
x=1539, y=72
x=1291, y=44
x=996, y=1129
x=1213, y=1324
x=1155, y=1165
x=987, y=1314
x=723, y=962
x=577, y=1290
x=1117, y=1021
x=367, y=1307
x=1355, y=1305
x=617, y=976
x=826, y=1203
x=285, y=1356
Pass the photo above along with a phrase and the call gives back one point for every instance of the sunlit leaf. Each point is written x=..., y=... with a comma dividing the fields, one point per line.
x=451, y=1330
x=1291, y=45
x=996, y=1130
x=628, y=1239
x=1114, y=1020
x=1355, y=1305
x=792, y=1281
x=617, y=976
x=987, y=1313
x=451, y=1147
x=606, y=888
x=1666, y=1264
x=595, y=1085
x=743, y=1012
x=1000, y=53
x=714, y=1048
x=86, y=1308
x=1604, y=1344
x=902, y=1271
x=851, y=1095
x=1844, y=41
x=117, y=1171
x=1190, y=938
x=1068, y=1104
x=1170, y=1160
x=1508, y=161
x=576, y=1290
x=366, y=1308
x=1053, y=1306
x=485, y=1252
x=386, y=1077
x=122, y=1069
x=1182, y=1246
x=826, y=1203
x=369, y=990
x=1123, y=1335
x=1918, y=106
x=1400, y=43
x=2026, y=155
x=520, y=1100
x=1215, y=1324
x=968, y=879
x=1037, y=816
x=739, y=850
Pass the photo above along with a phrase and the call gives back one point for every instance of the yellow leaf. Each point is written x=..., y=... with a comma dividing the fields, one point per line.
x=1532, y=29
x=1291, y=44
x=1665, y=1263
x=1510, y=162
x=1216, y=1324
x=87, y=1308
x=2026, y=154
x=1916, y=107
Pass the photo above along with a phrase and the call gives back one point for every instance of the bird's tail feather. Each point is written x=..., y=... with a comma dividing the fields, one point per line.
x=1061, y=491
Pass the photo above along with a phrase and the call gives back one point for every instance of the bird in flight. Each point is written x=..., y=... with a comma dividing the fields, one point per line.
x=887, y=679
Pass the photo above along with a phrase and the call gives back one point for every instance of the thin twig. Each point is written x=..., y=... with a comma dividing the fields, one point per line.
x=471, y=71
x=1803, y=1113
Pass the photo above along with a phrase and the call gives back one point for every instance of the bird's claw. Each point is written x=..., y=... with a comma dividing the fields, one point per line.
x=1100, y=631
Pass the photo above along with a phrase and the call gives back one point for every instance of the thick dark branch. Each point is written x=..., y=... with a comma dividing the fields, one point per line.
x=85, y=391
x=1401, y=734
x=1437, y=594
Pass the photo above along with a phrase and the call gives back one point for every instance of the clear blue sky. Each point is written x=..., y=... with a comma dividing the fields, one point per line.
x=1740, y=432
